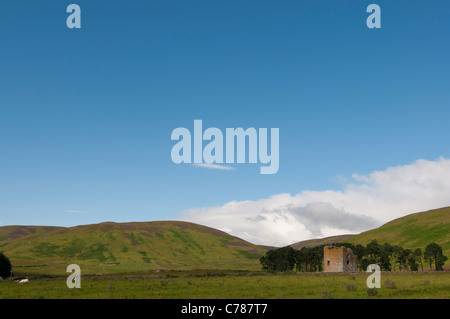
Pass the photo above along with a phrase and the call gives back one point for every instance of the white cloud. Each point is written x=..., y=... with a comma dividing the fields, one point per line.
x=366, y=202
x=215, y=166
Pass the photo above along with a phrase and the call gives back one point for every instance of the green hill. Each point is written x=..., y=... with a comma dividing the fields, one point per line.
x=183, y=245
x=412, y=231
x=14, y=232
x=158, y=245
x=321, y=241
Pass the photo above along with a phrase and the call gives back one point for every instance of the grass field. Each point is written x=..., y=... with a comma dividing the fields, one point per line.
x=223, y=284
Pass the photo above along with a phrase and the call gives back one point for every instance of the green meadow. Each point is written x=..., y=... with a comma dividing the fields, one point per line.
x=236, y=285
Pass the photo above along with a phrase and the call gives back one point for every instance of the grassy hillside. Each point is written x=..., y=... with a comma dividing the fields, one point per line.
x=14, y=232
x=321, y=241
x=182, y=245
x=160, y=245
x=412, y=231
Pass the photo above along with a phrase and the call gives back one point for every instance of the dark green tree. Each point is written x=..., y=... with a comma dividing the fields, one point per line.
x=300, y=260
x=433, y=252
x=281, y=259
x=385, y=256
x=403, y=256
x=412, y=261
x=419, y=257
x=384, y=261
x=317, y=258
x=308, y=258
x=359, y=250
x=396, y=253
x=373, y=250
x=365, y=262
x=5, y=266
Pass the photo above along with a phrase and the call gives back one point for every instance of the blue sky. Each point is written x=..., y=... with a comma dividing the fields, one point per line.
x=86, y=114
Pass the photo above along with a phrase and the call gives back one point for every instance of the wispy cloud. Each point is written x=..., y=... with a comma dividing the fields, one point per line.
x=366, y=202
x=215, y=166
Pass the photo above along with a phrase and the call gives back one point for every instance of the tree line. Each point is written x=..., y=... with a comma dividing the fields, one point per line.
x=388, y=257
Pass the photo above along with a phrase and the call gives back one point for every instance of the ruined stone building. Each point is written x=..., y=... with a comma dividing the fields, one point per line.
x=338, y=259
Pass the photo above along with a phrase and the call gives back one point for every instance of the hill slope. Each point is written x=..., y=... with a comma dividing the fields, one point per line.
x=321, y=241
x=412, y=231
x=14, y=232
x=160, y=244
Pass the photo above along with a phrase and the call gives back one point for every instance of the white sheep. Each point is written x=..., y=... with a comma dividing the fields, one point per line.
x=23, y=281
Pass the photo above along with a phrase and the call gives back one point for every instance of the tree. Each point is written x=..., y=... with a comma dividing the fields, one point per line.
x=359, y=251
x=396, y=252
x=440, y=262
x=317, y=258
x=418, y=256
x=365, y=262
x=280, y=259
x=305, y=259
x=412, y=262
x=379, y=254
x=300, y=260
x=385, y=256
x=403, y=257
x=428, y=256
x=373, y=249
x=434, y=252
x=5, y=266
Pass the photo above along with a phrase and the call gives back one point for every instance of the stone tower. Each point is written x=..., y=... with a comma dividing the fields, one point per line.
x=338, y=259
